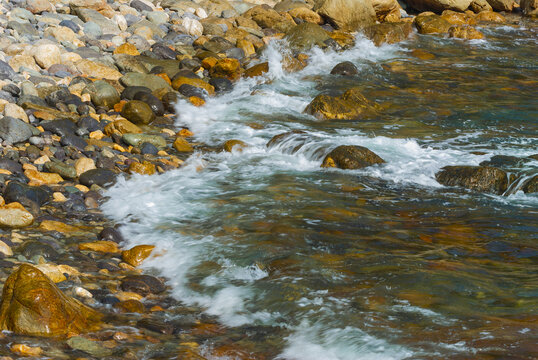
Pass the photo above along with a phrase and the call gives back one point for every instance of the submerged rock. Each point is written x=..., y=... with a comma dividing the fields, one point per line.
x=33, y=305
x=346, y=68
x=479, y=178
x=351, y=157
x=351, y=105
x=530, y=185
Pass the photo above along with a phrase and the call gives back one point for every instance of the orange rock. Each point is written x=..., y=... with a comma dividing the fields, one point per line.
x=136, y=255
x=180, y=80
x=119, y=106
x=181, y=145
x=165, y=77
x=490, y=16
x=246, y=46
x=50, y=225
x=33, y=305
x=226, y=68
x=26, y=350
x=209, y=62
x=130, y=306
x=196, y=101
x=127, y=48
x=144, y=168
x=185, y=133
x=103, y=246
x=422, y=54
x=40, y=178
x=238, y=145
x=257, y=70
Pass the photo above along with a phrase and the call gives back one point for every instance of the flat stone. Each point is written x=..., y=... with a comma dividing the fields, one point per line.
x=15, y=218
x=101, y=177
x=93, y=348
x=97, y=70
x=150, y=81
x=14, y=130
x=138, y=139
x=107, y=26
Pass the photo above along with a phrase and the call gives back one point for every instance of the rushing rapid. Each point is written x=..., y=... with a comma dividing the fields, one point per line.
x=378, y=263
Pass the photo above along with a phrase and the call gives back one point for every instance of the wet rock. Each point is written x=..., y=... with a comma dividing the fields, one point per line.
x=347, y=14
x=257, y=70
x=130, y=306
x=150, y=81
x=101, y=177
x=60, y=127
x=182, y=145
x=101, y=246
x=189, y=91
x=439, y=5
x=102, y=94
x=33, y=305
x=465, y=32
x=130, y=91
x=529, y=7
x=143, y=168
x=73, y=140
x=305, y=36
x=530, y=185
x=10, y=165
x=111, y=234
x=154, y=103
x=138, y=112
x=138, y=139
x=142, y=284
x=351, y=105
x=180, y=80
x=346, y=68
x=155, y=326
x=351, y=157
x=237, y=145
x=169, y=101
x=136, y=255
x=64, y=170
x=148, y=149
x=490, y=17
x=14, y=217
x=502, y=5
x=34, y=248
x=388, y=33
x=478, y=178
x=266, y=17
x=226, y=68
x=93, y=348
x=19, y=192
x=431, y=24
x=14, y=130
x=503, y=161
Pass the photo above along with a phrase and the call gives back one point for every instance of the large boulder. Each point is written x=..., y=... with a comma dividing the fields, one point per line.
x=388, y=33
x=431, y=24
x=351, y=105
x=529, y=7
x=439, y=5
x=479, y=178
x=502, y=5
x=351, y=157
x=383, y=8
x=33, y=305
x=307, y=35
x=347, y=14
x=266, y=17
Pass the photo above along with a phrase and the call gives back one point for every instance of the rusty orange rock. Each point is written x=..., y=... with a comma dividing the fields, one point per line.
x=136, y=255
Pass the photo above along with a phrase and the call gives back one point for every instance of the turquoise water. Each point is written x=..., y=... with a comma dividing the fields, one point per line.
x=299, y=262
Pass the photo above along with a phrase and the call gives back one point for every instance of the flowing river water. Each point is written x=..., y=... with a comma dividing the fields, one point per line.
x=300, y=262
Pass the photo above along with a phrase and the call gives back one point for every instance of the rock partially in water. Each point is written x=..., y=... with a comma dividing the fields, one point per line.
x=530, y=185
x=15, y=217
x=138, y=139
x=351, y=105
x=346, y=68
x=93, y=348
x=234, y=144
x=431, y=24
x=388, y=33
x=465, y=32
x=138, y=112
x=136, y=255
x=478, y=178
x=33, y=305
x=529, y=7
x=305, y=36
x=19, y=192
x=142, y=284
x=351, y=157
x=439, y=5
x=347, y=14
x=101, y=177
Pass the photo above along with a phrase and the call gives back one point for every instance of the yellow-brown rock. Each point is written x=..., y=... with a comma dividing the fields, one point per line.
x=490, y=16
x=226, y=68
x=136, y=255
x=237, y=145
x=209, y=62
x=130, y=306
x=306, y=14
x=127, y=48
x=246, y=46
x=13, y=217
x=196, y=101
x=431, y=24
x=143, y=168
x=180, y=80
x=182, y=145
x=465, y=32
x=33, y=305
x=103, y=246
x=40, y=178
x=84, y=164
x=52, y=271
x=97, y=70
x=124, y=126
x=257, y=70
x=457, y=18
x=422, y=54
x=351, y=105
x=51, y=225
x=25, y=350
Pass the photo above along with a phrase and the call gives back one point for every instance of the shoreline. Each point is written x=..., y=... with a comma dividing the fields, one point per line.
x=67, y=141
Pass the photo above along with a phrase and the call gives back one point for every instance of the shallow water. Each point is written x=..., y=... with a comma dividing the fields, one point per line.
x=299, y=262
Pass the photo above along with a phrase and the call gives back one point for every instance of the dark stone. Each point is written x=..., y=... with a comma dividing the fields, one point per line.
x=140, y=6
x=155, y=326
x=90, y=124
x=71, y=25
x=12, y=89
x=108, y=265
x=130, y=91
x=61, y=127
x=31, y=99
x=138, y=112
x=503, y=161
x=10, y=165
x=23, y=28
x=14, y=130
x=190, y=64
x=32, y=248
x=530, y=185
x=163, y=52
x=221, y=85
x=190, y=90
x=185, y=73
x=218, y=44
x=148, y=149
x=111, y=234
x=169, y=101
x=142, y=284
x=6, y=71
x=4, y=95
x=19, y=192
x=73, y=140
x=478, y=178
x=154, y=103
x=346, y=68
x=101, y=177
x=351, y=157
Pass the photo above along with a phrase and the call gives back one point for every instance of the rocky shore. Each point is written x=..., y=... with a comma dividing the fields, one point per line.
x=88, y=92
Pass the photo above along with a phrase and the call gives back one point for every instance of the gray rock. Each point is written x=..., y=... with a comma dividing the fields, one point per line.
x=23, y=28
x=19, y=192
x=64, y=170
x=92, y=30
x=139, y=42
x=152, y=82
x=14, y=130
x=107, y=26
x=140, y=6
x=101, y=177
x=102, y=94
x=304, y=36
x=93, y=348
x=139, y=139
x=157, y=17
x=156, y=29
x=127, y=63
x=6, y=72
x=21, y=15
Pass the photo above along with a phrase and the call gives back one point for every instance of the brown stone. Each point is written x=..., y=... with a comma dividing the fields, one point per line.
x=257, y=70
x=33, y=305
x=351, y=105
x=465, y=32
x=237, y=145
x=388, y=33
x=130, y=306
x=306, y=14
x=51, y=225
x=127, y=48
x=478, y=178
x=431, y=24
x=104, y=246
x=351, y=157
x=136, y=255
x=143, y=168
x=458, y=18
x=347, y=14
x=490, y=16
x=182, y=145
x=180, y=80
x=226, y=68
x=25, y=350
x=97, y=70
x=529, y=7
x=40, y=178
